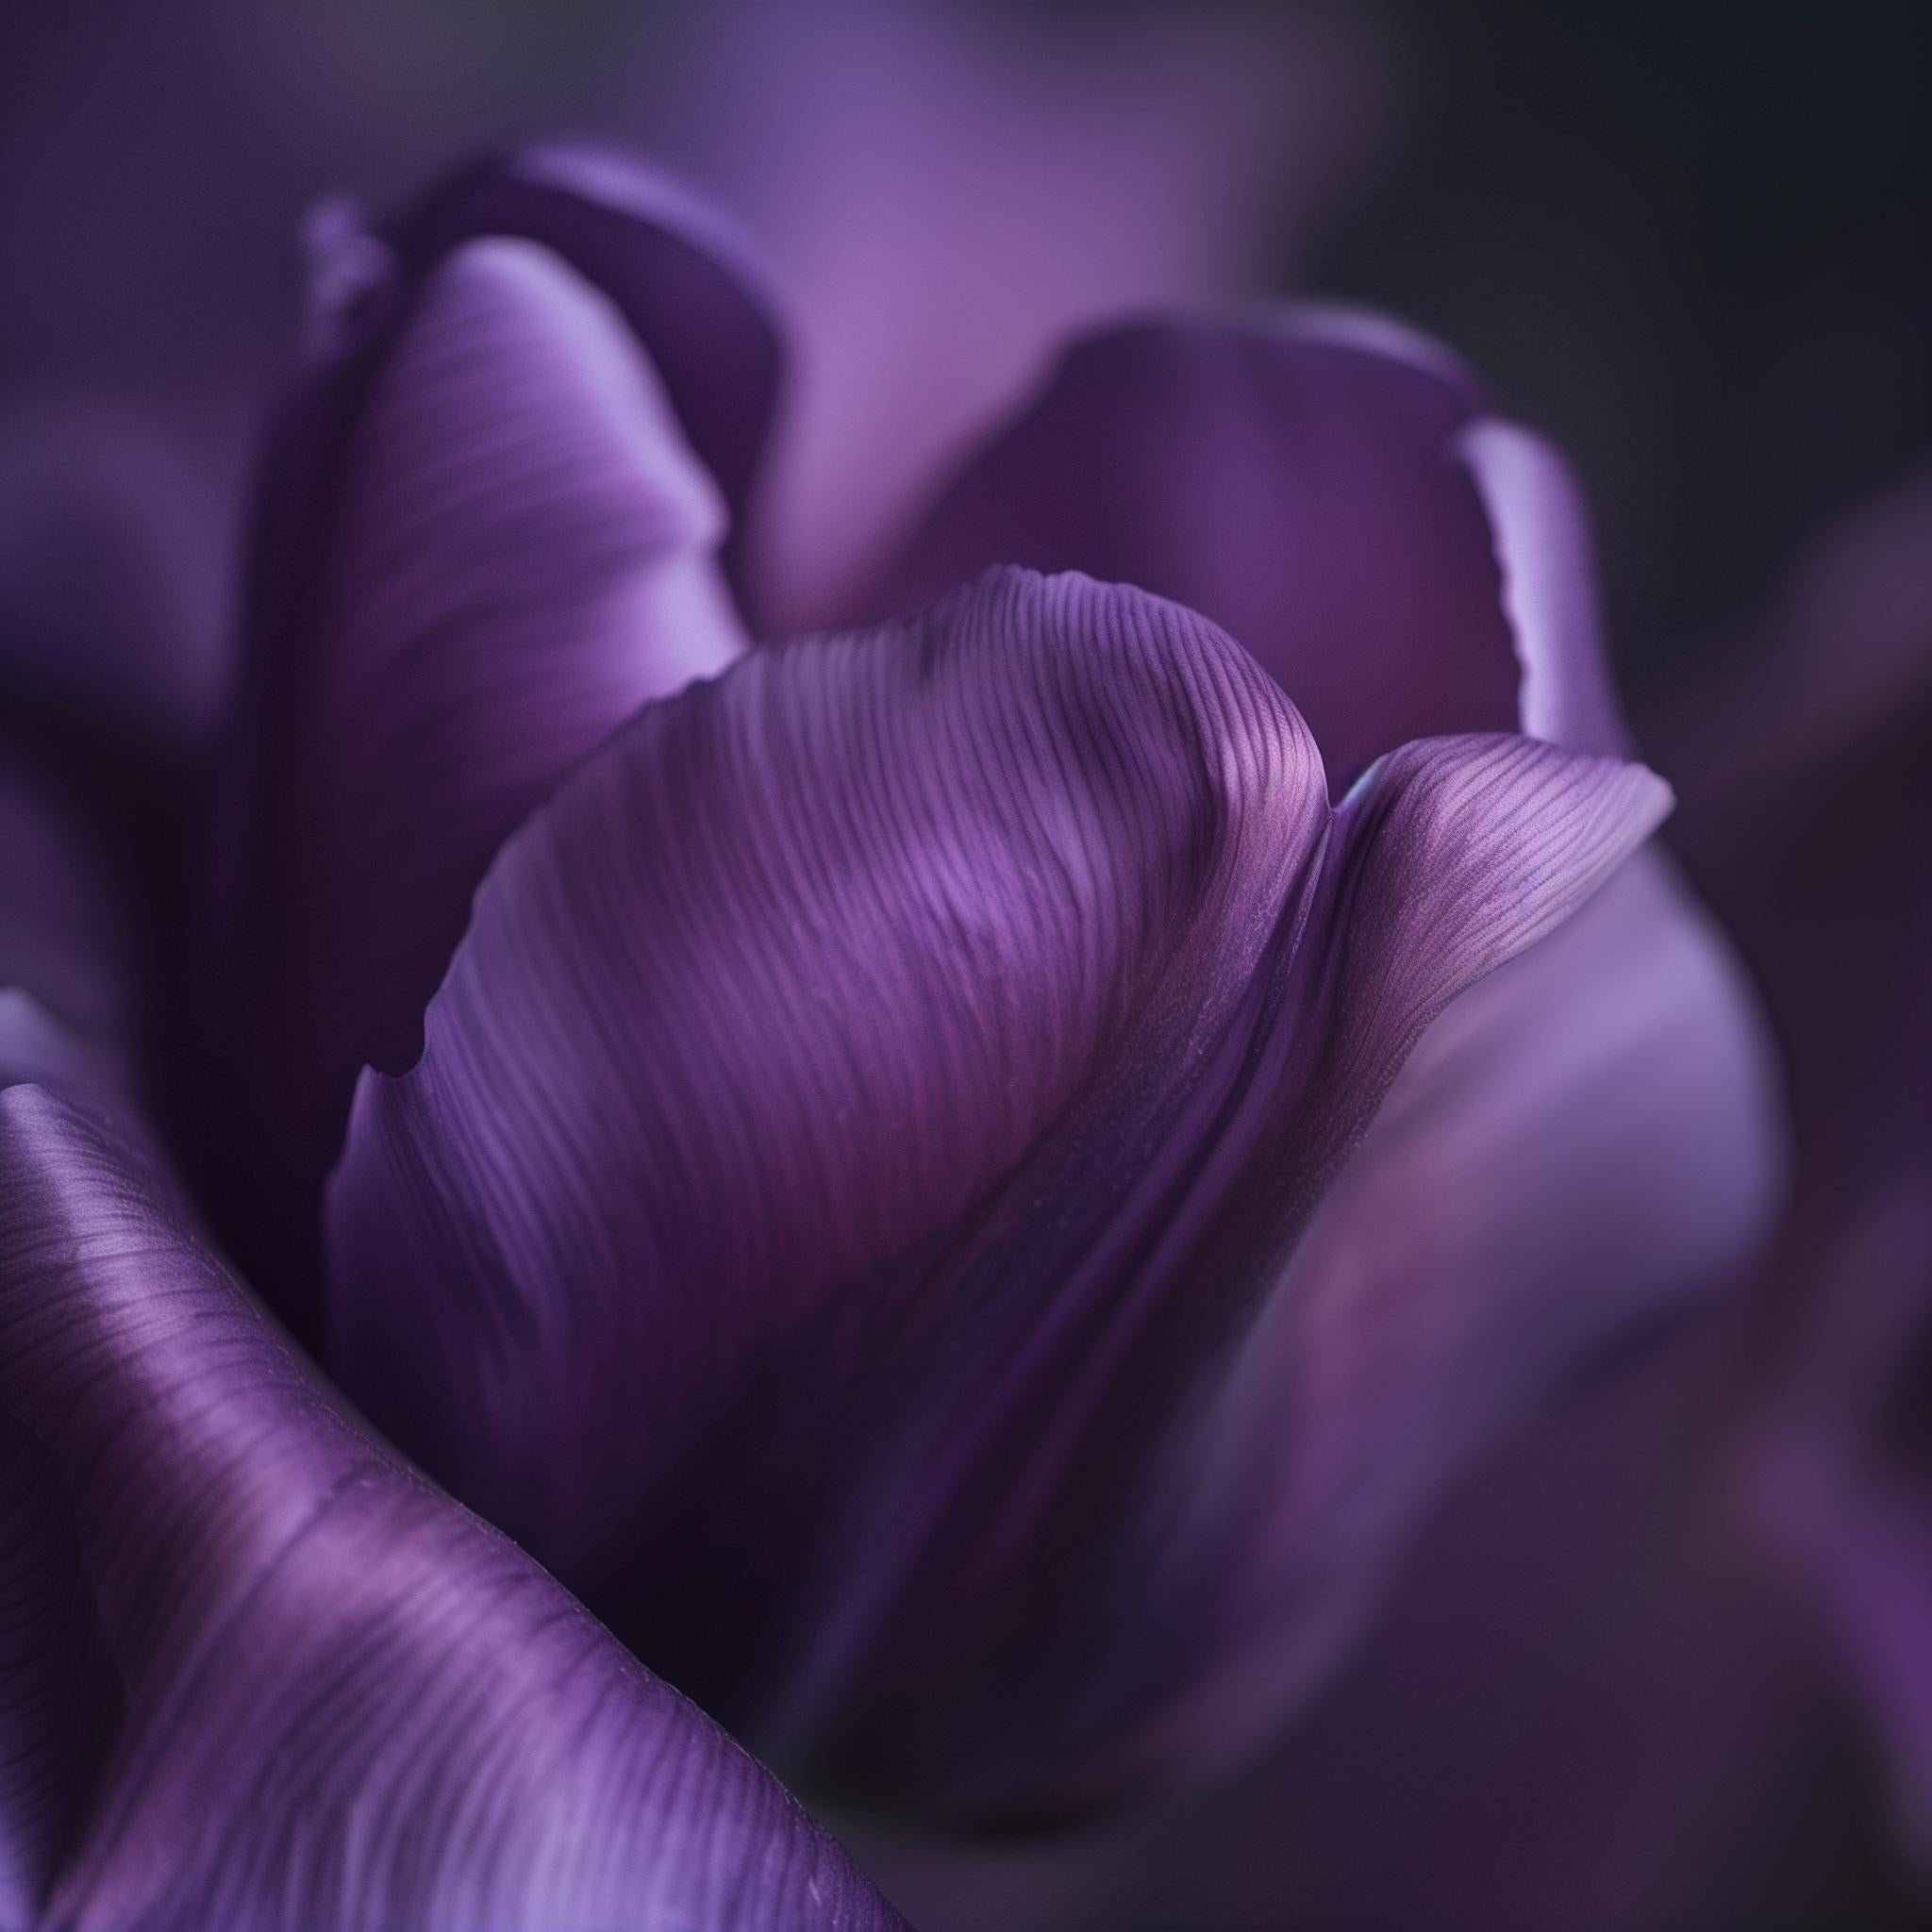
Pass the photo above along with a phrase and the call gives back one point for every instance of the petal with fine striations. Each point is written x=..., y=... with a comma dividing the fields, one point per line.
x=255, y=1672
x=517, y=547
x=874, y=1103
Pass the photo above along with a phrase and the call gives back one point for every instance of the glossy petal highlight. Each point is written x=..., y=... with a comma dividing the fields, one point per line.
x=257, y=1674
x=690, y=289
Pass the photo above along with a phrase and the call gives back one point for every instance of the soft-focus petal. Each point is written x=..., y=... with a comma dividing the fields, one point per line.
x=109, y=567
x=1294, y=477
x=1811, y=833
x=947, y=188
x=1844, y=1474
x=512, y=547
x=1599, y=1113
x=1540, y=527
x=841, y=1213
x=254, y=1672
x=65, y=938
x=111, y=559
x=1811, y=772
x=1577, y=1701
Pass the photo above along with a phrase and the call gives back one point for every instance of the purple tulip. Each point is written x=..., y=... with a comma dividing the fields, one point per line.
x=965, y=1183
x=877, y=1191
x=1611, y=1688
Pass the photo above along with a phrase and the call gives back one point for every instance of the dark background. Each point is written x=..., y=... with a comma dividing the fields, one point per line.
x=1695, y=243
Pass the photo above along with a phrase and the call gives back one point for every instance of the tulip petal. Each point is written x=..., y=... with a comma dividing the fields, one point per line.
x=1294, y=478
x=1598, y=1113
x=255, y=1672
x=688, y=285
x=520, y=550
x=872, y=1101
x=1541, y=533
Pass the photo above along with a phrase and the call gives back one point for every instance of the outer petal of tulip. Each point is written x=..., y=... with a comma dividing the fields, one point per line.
x=255, y=1672
x=1601, y=1113
x=1580, y=1144
x=1574, y=1702
x=487, y=539
x=1294, y=477
x=850, y=1213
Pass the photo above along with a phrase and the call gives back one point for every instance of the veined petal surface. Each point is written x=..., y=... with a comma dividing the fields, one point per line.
x=487, y=537
x=860, y=1131
x=255, y=1672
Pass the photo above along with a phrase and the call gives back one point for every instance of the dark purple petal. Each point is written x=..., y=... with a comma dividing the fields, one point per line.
x=1844, y=1472
x=1295, y=478
x=1579, y=1698
x=1813, y=824
x=254, y=1672
x=111, y=563
x=874, y=1101
x=1580, y=1143
x=512, y=547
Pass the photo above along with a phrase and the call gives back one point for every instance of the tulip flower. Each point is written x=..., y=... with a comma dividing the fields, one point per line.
x=966, y=1182
x=883, y=1192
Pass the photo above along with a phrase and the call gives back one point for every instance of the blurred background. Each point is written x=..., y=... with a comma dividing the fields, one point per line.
x=1689, y=240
